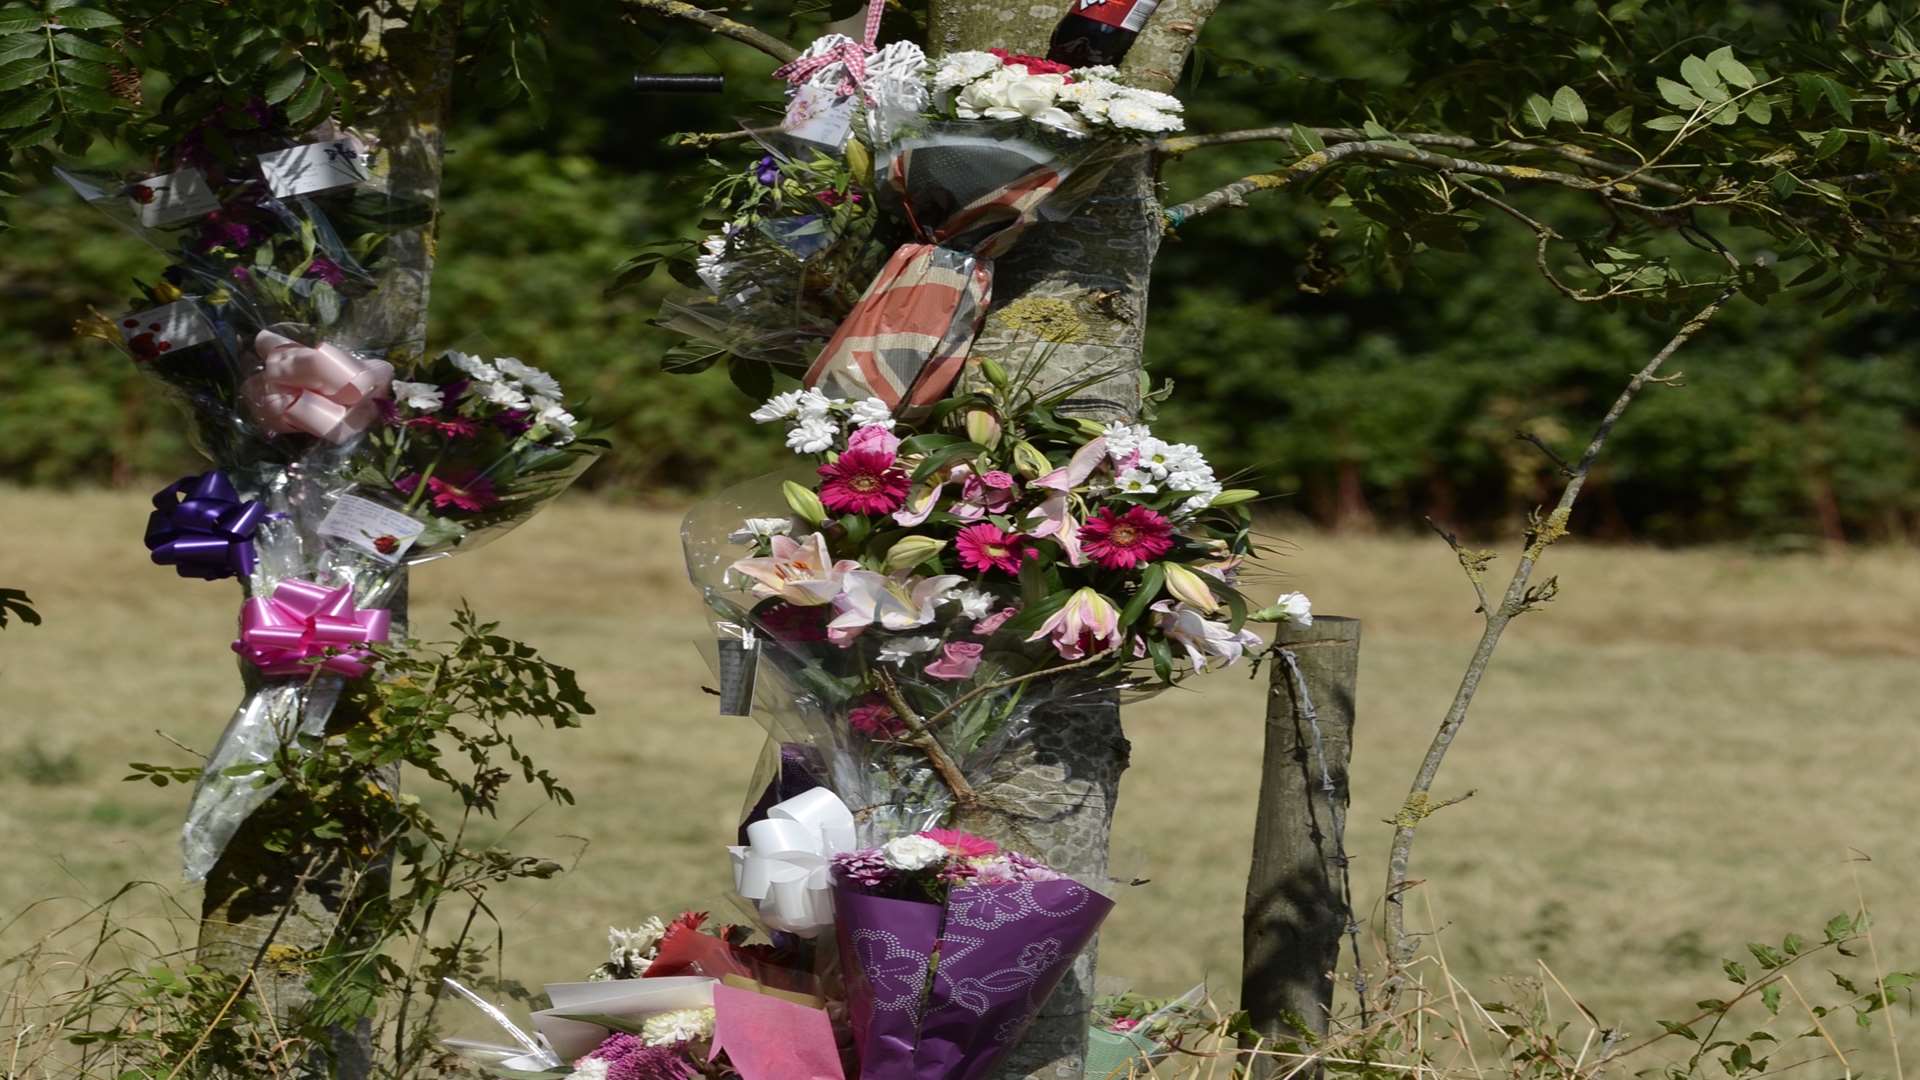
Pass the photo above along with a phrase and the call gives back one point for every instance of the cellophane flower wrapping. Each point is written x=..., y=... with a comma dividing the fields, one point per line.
x=344, y=453
x=943, y=983
x=816, y=690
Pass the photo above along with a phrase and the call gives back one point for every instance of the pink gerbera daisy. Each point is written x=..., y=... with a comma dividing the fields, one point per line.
x=964, y=844
x=470, y=493
x=987, y=546
x=863, y=482
x=1124, y=541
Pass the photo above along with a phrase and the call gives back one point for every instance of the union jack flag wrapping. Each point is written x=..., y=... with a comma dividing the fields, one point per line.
x=967, y=198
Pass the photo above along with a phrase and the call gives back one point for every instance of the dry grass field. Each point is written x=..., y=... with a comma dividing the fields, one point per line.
x=1676, y=757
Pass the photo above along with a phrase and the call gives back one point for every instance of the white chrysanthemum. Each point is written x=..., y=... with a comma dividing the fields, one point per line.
x=901, y=649
x=423, y=396
x=777, y=407
x=813, y=405
x=1193, y=480
x=633, y=949
x=1153, y=458
x=1133, y=116
x=959, y=69
x=1297, y=607
x=1152, y=99
x=872, y=412
x=755, y=529
x=1082, y=91
x=975, y=603
x=475, y=367
x=1124, y=439
x=676, y=1026
x=531, y=378
x=504, y=394
x=590, y=1069
x=553, y=415
x=1097, y=71
x=910, y=853
x=812, y=436
x=1183, y=457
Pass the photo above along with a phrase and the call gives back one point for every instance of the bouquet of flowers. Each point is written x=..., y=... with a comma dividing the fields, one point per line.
x=949, y=946
x=675, y=1000
x=340, y=454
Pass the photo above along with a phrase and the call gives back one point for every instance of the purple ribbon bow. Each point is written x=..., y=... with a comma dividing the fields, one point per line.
x=305, y=620
x=201, y=528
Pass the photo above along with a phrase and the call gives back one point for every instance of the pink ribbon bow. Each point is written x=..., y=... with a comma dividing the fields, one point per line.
x=851, y=53
x=304, y=620
x=319, y=390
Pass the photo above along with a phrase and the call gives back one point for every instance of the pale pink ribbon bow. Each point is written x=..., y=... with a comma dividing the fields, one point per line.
x=320, y=390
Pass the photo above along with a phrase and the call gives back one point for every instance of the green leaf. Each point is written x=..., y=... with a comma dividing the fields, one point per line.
x=1759, y=109
x=281, y=84
x=1150, y=582
x=27, y=110
x=1305, y=140
x=21, y=22
x=1679, y=1029
x=1677, y=94
x=1666, y=123
x=1783, y=185
x=1728, y=68
x=1835, y=141
x=90, y=99
x=13, y=48
x=1538, y=111
x=84, y=72
x=1162, y=653
x=19, y=73
x=305, y=104
x=1838, y=97
x=1770, y=997
x=1567, y=106
x=86, y=19
x=1736, y=971
x=1702, y=79
x=1620, y=121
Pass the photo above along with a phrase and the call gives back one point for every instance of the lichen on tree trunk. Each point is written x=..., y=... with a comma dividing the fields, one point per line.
x=1070, y=300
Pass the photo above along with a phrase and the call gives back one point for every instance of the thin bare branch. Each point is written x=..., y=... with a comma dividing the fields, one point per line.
x=719, y=24
x=1400, y=944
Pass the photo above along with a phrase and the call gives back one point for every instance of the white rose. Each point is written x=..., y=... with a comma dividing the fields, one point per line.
x=910, y=853
x=979, y=98
x=959, y=69
x=872, y=412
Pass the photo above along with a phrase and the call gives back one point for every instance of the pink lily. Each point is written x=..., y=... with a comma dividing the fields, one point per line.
x=1204, y=639
x=1089, y=623
x=894, y=603
x=1057, y=521
x=798, y=571
x=1075, y=472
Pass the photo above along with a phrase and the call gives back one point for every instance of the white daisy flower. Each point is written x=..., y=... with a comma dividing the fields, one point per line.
x=777, y=407
x=1137, y=482
x=504, y=394
x=426, y=397
x=553, y=416
x=531, y=378
x=475, y=367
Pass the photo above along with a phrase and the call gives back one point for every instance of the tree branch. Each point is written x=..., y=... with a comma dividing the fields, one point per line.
x=1401, y=947
x=1183, y=144
x=719, y=24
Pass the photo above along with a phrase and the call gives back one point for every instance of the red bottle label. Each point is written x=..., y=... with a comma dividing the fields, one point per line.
x=1125, y=14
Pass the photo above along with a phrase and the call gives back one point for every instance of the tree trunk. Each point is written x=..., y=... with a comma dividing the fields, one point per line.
x=408, y=72
x=1071, y=300
x=1297, y=895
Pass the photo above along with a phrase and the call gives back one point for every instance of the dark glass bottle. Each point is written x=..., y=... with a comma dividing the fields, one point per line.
x=1098, y=31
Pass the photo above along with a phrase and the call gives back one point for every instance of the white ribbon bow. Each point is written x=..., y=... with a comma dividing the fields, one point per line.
x=784, y=867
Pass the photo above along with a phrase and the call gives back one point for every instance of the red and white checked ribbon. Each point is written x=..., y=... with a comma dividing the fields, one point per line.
x=853, y=54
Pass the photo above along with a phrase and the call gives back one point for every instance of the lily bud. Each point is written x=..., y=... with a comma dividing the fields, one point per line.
x=1233, y=497
x=911, y=551
x=167, y=292
x=1092, y=429
x=995, y=374
x=1029, y=461
x=1293, y=607
x=983, y=427
x=1190, y=588
x=804, y=502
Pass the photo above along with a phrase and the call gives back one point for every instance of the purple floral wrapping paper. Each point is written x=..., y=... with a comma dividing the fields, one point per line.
x=1002, y=949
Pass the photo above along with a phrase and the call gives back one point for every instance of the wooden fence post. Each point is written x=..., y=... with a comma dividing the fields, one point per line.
x=1297, y=896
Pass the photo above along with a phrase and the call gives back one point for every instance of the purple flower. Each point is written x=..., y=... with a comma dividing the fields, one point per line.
x=241, y=273
x=628, y=1058
x=865, y=868
x=326, y=270
x=512, y=421
x=219, y=231
x=767, y=171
